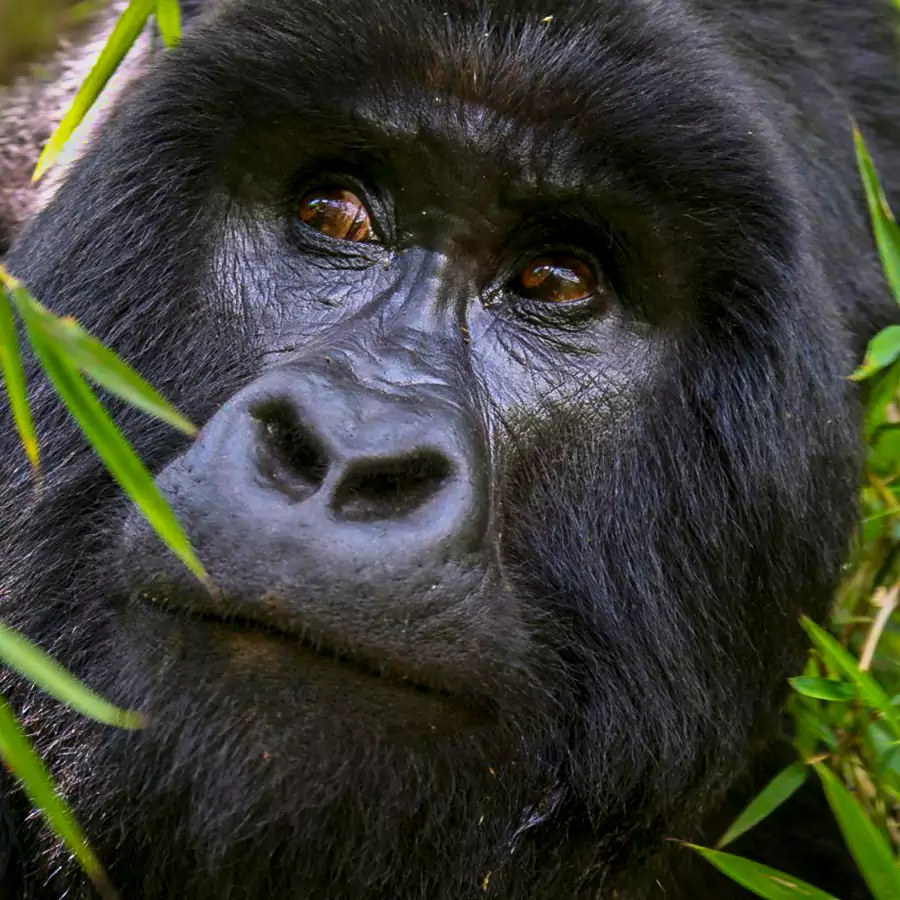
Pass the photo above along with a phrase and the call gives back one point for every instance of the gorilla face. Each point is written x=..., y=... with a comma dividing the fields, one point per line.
x=517, y=339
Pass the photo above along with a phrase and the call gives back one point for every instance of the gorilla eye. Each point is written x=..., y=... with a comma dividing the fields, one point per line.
x=337, y=212
x=557, y=279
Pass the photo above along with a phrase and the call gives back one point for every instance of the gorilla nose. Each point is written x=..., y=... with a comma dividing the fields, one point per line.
x=311, y=483
x=376, y=471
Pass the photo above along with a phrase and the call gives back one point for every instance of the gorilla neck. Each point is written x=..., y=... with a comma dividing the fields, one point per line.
x=353, y=818
x=305, y=799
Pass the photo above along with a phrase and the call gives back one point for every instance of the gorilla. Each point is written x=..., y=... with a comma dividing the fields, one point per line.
x=518, y=333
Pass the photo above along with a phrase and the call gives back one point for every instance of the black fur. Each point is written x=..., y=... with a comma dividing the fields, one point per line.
x=649, y=491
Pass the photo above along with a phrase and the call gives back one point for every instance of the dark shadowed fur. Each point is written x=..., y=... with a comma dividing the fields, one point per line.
x=654, y=488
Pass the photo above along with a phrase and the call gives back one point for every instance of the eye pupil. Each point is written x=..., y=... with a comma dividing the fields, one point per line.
x=557, y=279
x=338, y=213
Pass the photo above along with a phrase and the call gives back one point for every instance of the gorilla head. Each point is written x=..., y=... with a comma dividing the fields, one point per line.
x=518, y=334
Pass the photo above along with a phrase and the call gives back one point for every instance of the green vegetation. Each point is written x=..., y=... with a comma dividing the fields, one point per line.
x=846, y=704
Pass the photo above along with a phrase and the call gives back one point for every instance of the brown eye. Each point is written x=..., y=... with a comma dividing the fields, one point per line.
x=338, y=213
x=557, y=279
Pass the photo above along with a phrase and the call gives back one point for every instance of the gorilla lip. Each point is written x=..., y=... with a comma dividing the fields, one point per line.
x=273, y=628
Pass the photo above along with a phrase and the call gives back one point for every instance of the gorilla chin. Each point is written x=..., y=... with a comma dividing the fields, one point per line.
x=301, y=746
x=518, y=337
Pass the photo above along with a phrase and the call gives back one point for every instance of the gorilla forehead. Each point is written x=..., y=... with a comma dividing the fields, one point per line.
x=484, y=115
x=504, y=85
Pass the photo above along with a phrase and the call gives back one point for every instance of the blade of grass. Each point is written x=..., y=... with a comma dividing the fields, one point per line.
x=100, y=364
x=865, y=842
x=885, y=389
x=782, y=786
x=131, y=23
x=27, y=766
x=883, y=350
x=14, y=381
x=870, y=692
x=770, y=884
x=20, y=654
x=823, y=688
x=168, y=17
x=887, y=234
x=116, y=453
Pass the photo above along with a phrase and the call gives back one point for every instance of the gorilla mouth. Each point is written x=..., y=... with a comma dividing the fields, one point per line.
x=306, y=641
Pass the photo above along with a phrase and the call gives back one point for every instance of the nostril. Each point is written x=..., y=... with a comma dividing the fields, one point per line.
x=378, y=489
x=290, y=455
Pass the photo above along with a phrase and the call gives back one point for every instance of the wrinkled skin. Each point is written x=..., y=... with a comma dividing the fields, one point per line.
x=507, y=580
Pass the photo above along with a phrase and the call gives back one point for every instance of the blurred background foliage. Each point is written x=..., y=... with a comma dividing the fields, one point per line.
x=30, y=28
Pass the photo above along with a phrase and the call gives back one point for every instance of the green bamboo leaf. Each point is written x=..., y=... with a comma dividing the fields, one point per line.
x=782, y=786
x=14, y=380
x=887, y=235
x=111, y=446
x=812, y=731
x=168, y=17
x=806, y=734
x=27, y=766
x=865, y=842
x=837, y=658
x=770, y=884
x=823, y=688
x=20, y=654
x=886, y=752
x=101, y=365
x=884, y=456
x=885, y=389
x=131, y=23
x=883, y=350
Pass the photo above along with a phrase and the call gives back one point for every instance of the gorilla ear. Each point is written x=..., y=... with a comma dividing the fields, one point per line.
x=34, y=104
